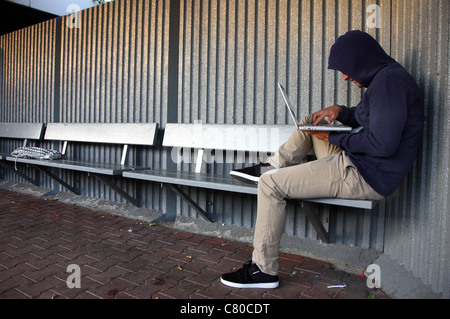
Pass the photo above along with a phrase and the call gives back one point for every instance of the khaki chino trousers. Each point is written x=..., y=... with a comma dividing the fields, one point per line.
x=331, y=175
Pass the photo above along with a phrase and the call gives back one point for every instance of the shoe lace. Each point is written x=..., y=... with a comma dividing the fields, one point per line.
x=247, y=271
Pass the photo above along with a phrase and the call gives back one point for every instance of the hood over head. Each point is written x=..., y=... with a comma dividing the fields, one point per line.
x=358, y=55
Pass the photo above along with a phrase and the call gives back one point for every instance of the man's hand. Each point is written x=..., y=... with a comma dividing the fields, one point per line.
x=331, y=112
x=320, y=135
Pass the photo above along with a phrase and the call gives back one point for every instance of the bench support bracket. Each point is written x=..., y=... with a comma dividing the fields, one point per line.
x=49, y=173
x=313, y=217
x=177, y=189
x=117, y=189
x=101, y=178
x=12, y=169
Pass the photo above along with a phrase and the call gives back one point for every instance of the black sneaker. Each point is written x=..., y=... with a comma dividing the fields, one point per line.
x=250, y=175
x=250, y=276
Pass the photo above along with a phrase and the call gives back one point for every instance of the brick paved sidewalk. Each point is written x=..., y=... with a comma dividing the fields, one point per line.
x=122, y=258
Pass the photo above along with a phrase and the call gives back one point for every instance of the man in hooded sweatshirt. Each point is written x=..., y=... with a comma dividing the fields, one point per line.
x=369, y=163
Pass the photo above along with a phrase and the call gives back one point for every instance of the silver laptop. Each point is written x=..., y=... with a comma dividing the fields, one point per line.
x=336, y=126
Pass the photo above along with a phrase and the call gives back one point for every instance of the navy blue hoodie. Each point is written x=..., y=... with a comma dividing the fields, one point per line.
x=391, y=112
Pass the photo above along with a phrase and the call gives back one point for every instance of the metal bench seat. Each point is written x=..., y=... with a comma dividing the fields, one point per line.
x=228, y=184
x=125, y=134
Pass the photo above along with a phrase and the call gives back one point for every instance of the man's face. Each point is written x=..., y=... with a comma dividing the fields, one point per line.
x=346, y=78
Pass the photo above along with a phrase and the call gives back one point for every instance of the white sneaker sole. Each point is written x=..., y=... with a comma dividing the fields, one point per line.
x=265, y=285
x=244, y=177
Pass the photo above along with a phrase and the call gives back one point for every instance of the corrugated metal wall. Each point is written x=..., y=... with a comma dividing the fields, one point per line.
x=417, y=224
x=27, y=84
x=114, y=70
x=233, y=54
x=218, y=61
x=114, y=66
x=28, y=73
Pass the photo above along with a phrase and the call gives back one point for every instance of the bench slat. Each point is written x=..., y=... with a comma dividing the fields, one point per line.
x=88, y=167
x=32, y=131
x=251, y=138
x=193, y=180
x=363, y=204
x=111, y=133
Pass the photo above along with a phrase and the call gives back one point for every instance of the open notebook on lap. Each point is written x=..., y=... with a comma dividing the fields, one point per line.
x=336, y=127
